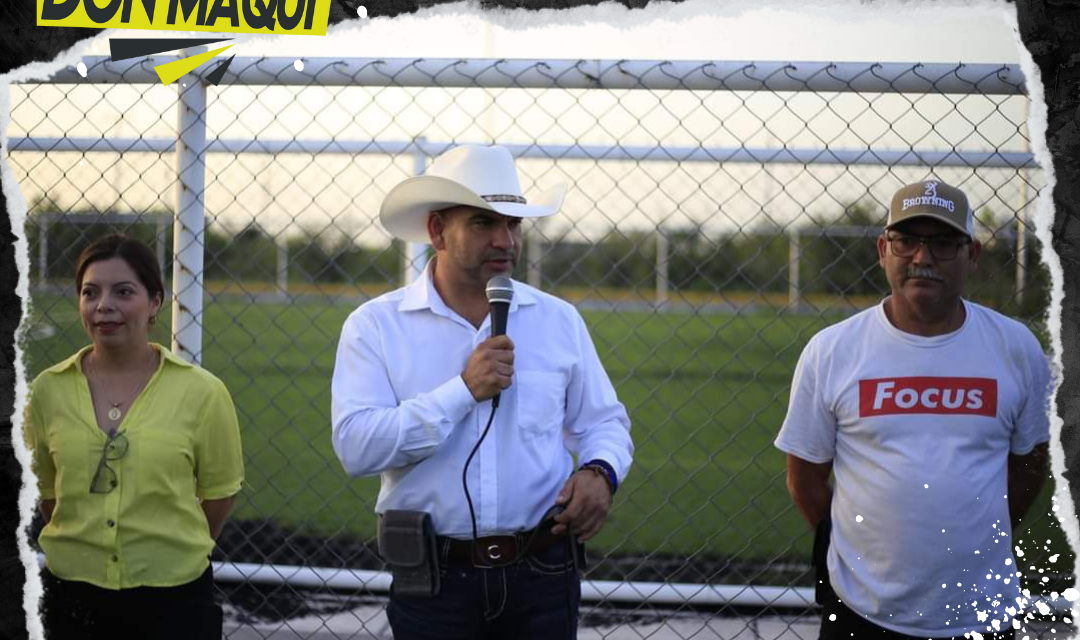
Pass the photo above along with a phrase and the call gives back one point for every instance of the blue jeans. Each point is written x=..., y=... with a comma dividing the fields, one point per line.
x=534, y=599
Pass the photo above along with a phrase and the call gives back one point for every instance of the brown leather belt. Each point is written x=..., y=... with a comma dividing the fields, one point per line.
x=496, y=551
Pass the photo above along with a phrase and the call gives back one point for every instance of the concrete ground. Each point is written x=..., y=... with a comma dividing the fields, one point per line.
x=369, y=623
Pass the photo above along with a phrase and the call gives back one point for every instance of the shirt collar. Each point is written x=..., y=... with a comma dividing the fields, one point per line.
x=421, y=294
x=75, y=360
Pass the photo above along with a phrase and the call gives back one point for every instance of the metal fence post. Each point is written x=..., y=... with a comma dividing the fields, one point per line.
x=415, y=253
x=535, y=253
x=282, y=266
x=661, y=265
x=160, y=228
x=1021, y=222
x=794, y=254
x=189, y=227
x=45, y=220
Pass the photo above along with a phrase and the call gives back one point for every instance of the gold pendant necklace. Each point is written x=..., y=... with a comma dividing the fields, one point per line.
x=115, y=412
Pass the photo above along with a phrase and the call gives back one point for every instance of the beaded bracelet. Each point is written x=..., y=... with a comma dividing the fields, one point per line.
x=603, y=470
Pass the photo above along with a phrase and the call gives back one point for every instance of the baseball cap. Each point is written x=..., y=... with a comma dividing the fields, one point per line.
x=932, y=199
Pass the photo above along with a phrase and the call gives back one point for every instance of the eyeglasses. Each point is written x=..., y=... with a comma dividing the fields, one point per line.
x=104, y=480
x=941, y=247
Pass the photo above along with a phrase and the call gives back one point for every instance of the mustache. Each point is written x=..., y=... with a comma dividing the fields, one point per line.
x=501, y=255
x=925, y=273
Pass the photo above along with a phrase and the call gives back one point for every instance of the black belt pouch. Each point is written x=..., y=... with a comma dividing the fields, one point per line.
x=407, y=545
x=822, y=585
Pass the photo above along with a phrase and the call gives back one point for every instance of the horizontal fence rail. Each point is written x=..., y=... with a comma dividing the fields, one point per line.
x=987, y=79
x=908, y=158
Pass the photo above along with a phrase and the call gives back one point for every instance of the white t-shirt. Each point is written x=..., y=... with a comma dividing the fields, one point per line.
x=919, y=430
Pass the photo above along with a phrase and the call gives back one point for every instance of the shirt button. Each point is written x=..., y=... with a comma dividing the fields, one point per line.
x=116, y=558
x=110, y=523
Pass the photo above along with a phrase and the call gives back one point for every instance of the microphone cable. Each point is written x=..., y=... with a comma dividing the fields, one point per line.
x=465, y=474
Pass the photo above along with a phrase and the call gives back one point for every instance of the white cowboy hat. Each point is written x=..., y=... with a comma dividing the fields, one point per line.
x=473, y=175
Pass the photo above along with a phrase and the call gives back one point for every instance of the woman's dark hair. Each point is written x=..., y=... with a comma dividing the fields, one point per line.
x=137, y=255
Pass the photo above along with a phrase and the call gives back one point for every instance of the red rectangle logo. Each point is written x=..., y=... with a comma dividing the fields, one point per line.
x=891, y=396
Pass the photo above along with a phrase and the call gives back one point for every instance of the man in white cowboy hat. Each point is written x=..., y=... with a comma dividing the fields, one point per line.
x=412, y=392
x=932, y=414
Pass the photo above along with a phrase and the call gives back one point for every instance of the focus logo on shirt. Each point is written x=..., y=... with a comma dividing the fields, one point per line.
x=924, y=394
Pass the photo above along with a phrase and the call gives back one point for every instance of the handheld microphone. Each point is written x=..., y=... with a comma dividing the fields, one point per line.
x=499, y=291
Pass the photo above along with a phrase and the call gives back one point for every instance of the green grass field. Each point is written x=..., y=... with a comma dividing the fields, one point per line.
x=706, y=394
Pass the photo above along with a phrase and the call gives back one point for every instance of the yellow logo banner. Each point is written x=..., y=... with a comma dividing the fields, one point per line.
x=291, y=17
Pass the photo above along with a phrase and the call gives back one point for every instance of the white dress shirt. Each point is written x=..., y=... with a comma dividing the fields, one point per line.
x=400, y=408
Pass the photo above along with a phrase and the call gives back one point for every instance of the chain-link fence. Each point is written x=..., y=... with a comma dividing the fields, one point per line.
x=719, y=214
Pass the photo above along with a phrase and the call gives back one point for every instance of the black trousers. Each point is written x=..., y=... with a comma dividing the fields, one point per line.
x=73, y=610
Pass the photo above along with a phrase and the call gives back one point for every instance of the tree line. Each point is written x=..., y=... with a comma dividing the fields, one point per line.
x=743, y=260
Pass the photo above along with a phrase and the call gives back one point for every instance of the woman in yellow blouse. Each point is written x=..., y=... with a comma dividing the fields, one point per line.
x=137, y=456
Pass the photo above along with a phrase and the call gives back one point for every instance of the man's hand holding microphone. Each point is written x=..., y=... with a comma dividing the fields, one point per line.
x=490, y=368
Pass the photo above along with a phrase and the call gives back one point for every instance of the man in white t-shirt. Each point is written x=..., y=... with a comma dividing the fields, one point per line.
x=932, y=414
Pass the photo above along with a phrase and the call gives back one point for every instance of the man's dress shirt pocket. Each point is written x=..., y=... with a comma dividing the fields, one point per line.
x=541, y=403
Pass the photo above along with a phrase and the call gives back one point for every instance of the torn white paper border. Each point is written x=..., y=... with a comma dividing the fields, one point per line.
x=610, y=14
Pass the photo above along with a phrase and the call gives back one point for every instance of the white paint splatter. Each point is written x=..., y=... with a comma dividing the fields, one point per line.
x=1071, y=594
x=1054, y=557
x=1043, y=608
x=298, y=65
x=832, y=617
x=361, y=12
x=81, y=67
x=858, y=518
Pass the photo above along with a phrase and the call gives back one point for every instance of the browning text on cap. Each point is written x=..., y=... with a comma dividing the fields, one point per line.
x=932, y=199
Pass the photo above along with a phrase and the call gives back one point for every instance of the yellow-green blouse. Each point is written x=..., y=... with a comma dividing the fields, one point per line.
x=183, y=446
